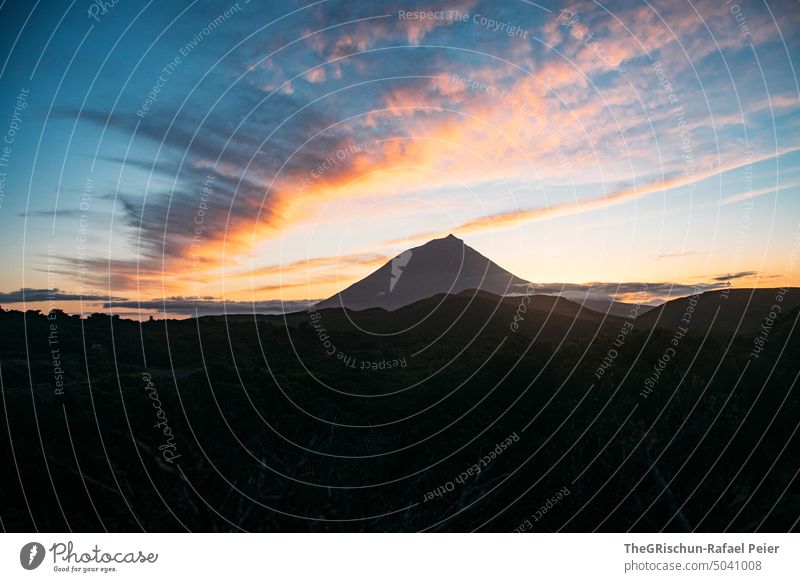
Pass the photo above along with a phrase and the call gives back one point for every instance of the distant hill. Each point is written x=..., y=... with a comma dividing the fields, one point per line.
x=733, y=310
x=549, y=316
x=617, y=308
x=546, y=317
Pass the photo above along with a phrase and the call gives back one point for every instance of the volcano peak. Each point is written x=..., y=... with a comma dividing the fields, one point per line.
x=442, y=265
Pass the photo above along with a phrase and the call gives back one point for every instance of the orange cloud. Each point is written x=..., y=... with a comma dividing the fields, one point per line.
x=316, y=75
x=344, y=261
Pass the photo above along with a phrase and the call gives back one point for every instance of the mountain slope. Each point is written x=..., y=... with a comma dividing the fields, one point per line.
x=444, y=265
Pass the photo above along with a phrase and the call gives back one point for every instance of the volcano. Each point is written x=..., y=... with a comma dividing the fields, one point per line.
x=443, y=265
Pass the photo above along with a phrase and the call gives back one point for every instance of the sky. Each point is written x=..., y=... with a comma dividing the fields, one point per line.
x=257, y=155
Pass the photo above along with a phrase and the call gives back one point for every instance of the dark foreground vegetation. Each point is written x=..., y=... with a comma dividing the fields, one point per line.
x=440, y=416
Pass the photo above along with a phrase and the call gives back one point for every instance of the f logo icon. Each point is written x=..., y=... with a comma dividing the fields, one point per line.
x=31, y=555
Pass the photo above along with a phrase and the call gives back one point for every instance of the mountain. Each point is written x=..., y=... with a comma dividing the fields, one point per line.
x=467, y=315
x=448, y=266
x=443, y=265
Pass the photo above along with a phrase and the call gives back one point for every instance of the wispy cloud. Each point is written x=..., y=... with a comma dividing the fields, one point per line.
x=653, y=292
x=204, y=306
x=32, y=295
x=664, y=185
x=665, y=256
x=734, y=276
x=305, y=265
x=756, y=193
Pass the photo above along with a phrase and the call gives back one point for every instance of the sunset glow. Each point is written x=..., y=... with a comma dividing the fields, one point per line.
x=283, y=155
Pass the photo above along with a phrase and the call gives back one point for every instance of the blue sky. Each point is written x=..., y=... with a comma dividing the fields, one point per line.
x=265, y=152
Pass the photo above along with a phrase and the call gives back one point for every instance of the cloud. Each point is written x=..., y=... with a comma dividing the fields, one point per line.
x=61, y=213
x=213, y=208
x=343, y=261
x=31, y=295
x=513, y=218
x=630, y=291
x=663, y=256
x=124, y=274
x=756, y=194
x=262, y=151
x=739, y=275
x=315, y=75
x=318, y=280
x=199, y=307
x=384, y=24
